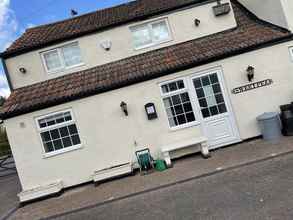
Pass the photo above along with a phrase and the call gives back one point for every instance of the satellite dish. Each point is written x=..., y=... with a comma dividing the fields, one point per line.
x=73, y=13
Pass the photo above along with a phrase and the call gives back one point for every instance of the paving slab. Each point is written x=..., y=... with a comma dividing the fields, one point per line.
x=258, y=191
x=189, y=167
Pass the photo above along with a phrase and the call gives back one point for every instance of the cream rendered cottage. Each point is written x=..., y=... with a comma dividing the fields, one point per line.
x=180, y=67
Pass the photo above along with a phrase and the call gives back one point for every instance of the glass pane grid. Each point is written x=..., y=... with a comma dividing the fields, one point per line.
x=160, y=31
x=52, y=60
x=150, y=33
x=60, y=138
x=71, y=55
x=209, y=94
x=173, y=86
x=55, y=119
x=176, y=106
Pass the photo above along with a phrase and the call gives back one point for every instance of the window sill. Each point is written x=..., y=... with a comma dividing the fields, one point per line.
x=62, y=70
x=62, y=151
x=192, y=124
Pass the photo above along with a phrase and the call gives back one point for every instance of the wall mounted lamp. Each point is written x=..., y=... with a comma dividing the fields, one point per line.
x=22, y=70
x=123, y=107
x=250, y=73
x=196, y=22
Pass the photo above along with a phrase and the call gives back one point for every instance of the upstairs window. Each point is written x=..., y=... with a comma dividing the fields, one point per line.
x=177, y=104
x=150, y=34
x=58, y=132
x=62, y=58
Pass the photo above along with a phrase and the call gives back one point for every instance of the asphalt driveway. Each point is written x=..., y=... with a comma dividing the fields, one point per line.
x=9, y=187
x=262, y=190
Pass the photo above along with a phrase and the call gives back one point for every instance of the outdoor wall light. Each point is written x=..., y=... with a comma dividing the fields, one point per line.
x=250, y=73
x=123, y=107
x=196, y=22
x=22, y=70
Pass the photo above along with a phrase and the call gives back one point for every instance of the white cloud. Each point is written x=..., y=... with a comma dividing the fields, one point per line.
x=4, y=90
x=30, y=25
x=8, y=24
x=24, y=28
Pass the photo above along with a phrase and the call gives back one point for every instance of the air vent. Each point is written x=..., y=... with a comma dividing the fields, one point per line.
x=221, y=9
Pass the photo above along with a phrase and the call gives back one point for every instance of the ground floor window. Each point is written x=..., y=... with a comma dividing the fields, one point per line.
x=58, y=131
x=177, y=103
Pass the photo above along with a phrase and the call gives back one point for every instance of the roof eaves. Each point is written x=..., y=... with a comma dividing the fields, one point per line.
x=28, y=109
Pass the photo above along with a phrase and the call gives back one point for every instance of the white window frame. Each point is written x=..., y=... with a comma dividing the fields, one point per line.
x=180, y=91
x=40, y=130
x=291, y=52
x=61, y=58
x=149, y=24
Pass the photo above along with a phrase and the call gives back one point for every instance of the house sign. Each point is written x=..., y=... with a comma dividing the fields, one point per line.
x=252, y=86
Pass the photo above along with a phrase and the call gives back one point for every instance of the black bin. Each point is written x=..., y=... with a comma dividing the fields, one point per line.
x=287, y=119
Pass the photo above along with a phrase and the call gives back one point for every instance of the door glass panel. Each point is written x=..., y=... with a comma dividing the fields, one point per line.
x=205, y=112
x=205, y=80
x=210, y=96
x=222, y=108
x=208, y=90
x=217, y=88
x=214, y=78
x=211, y=100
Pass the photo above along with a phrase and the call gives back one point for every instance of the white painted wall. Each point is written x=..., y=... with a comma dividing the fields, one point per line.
x=182, y=28
x=288, y=9
x=278, y=12
x=108, y=136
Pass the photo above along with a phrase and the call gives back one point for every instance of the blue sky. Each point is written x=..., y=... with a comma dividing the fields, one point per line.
x=18, y=15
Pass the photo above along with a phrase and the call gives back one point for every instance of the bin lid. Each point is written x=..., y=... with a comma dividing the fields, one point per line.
x=267, y=115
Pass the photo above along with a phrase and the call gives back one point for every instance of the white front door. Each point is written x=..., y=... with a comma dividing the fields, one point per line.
x=215, y=109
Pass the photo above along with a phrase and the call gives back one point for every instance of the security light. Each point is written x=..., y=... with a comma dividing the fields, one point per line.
x=123, y=107
x=22, y=70
x=196, y=22
x=250, y=73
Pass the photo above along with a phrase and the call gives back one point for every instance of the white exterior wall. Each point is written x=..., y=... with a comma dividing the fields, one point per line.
x=182, y=29
x=108, y=136
x=278, y=12
x=288, y=9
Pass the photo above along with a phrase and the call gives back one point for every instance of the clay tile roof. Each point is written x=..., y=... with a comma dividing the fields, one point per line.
x=48, y=34
x=251, y=33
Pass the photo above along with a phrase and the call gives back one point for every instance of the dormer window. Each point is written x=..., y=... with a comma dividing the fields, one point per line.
x=62, y=58
x=150, y=34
